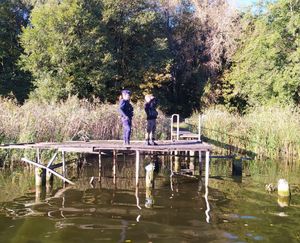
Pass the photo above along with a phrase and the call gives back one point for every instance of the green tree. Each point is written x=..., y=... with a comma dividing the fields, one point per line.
x=136, y=47
x=266, y=67
x=202, y=38
x=61, y=47
x=13, y=81
x=94, y=48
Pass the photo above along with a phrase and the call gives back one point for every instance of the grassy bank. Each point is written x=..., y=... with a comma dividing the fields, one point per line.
x=266, y=131
x=69, y=120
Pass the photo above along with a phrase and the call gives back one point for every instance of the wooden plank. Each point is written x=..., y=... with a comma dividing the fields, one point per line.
x=50, y=170
x=94, y=147
x=52, y=160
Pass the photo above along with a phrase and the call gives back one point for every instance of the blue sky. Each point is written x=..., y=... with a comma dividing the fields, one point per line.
x=242, y=3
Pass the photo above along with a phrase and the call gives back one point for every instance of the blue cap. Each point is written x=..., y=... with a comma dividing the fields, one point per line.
x=126, y=91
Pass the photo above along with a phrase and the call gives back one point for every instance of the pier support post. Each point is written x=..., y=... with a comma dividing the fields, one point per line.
x=149, y=185
x=137, y=167
x=206, y=167
x=200, y=163
x=237, y=167
x=63, y=163
x=100, y=165
x=192, y=161
x=40, y=174
x=177, y=161
x=114, y=166
x=150, y=175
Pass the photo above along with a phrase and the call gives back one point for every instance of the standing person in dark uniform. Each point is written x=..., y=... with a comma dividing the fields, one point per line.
x=126, y=111
x=150, y=109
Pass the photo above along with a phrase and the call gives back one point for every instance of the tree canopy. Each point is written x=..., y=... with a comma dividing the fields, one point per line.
x=266, y=67
x=13, y=81
x=190, y=54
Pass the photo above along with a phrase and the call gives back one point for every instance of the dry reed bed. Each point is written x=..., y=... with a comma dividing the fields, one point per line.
x=73, y=119
x=267, y=131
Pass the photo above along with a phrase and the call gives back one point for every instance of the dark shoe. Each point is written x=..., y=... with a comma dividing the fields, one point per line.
x=147, y=142
x=154, y=143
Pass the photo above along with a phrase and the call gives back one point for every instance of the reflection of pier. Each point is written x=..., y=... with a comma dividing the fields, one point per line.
x=175, y=150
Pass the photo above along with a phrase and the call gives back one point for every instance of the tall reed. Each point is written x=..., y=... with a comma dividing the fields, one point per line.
x=265, y=131
x=73, y=119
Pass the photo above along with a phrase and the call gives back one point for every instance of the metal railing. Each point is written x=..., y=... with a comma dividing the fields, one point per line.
x=176, y=132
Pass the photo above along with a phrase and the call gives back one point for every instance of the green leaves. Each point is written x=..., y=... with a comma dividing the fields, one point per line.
x=13, y=81
x=266, y=66
x=93, y=48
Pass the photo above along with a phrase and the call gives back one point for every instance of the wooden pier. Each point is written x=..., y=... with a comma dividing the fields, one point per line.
x=100, y=147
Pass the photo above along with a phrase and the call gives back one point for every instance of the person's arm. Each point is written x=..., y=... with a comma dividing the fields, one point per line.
x=121, y=109
x=147, y=109
x=132, y=110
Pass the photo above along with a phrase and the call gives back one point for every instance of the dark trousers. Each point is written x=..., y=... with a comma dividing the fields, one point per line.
x=151, y=128
x=126, y=130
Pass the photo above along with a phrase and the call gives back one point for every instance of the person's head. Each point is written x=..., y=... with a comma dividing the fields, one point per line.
x=126, y=94
x=148, y=97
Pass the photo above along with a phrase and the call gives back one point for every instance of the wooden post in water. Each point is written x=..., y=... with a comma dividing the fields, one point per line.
x=237, y=167
x=177, y=161
x=63, y=164
x=114, y=166
x=150, y=175
x=200, y=163
x=100, y=165
x=40, y=174
x=206, y=167
x=137, y=167
x=192, y=161
x=49, y=176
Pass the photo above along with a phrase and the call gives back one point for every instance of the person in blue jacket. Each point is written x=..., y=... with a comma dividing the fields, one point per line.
x=126, y=111
x=151, y=112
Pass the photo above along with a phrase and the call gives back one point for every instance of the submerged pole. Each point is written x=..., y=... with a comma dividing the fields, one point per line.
x=200, y=163
x=192, y=161
x=177, y=162
x=150, y=175
x=207, y=167
x=40, y=173
x=237, y=167
x=100, y=165
x=114, y=166
x=40, y=177
x=284, y=195
x=137, y=167
x=63, y=164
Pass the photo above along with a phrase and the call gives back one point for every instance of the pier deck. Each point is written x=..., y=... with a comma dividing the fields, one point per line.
x=101, y=146
x=95, y=146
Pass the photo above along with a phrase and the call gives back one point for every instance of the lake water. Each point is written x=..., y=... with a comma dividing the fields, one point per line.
x=178, y=209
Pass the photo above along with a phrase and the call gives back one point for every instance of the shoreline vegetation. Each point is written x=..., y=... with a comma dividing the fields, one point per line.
x=264, y=132
x=272, y=132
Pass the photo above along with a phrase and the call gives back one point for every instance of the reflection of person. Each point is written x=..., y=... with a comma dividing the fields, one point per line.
x=126, y=111
x=151, y=112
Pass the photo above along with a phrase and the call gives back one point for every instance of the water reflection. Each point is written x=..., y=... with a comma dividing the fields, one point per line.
x=225, y=211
